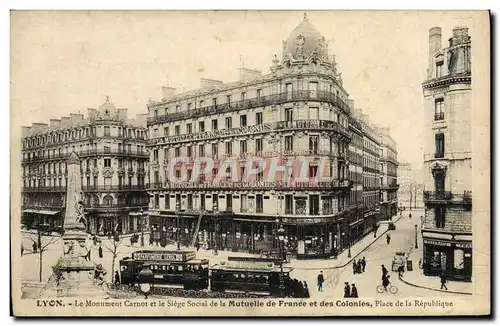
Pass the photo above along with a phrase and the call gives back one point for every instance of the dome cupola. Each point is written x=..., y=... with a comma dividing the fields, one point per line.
x=303, y=41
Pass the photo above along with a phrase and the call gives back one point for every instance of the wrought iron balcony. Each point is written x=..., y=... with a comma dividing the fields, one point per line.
x=320, y=96
x=439, y=116
x=310, y=124
x=114, y=188
x=447, y=196
x=43, y=189
x=114, y=207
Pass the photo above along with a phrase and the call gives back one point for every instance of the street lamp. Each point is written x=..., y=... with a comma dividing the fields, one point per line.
x=178, y=228
x=143, y=218
x=216, y=226
x=416, y=233
x=281, y=239
x=145, y=280
x=350, y=239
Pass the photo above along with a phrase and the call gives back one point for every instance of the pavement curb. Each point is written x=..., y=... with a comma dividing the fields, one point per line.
x=432, y=289
x=349, y=261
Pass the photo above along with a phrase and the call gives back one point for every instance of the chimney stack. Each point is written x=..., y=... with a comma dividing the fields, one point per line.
x=25, y=130
x=434, y=46
x=55, y=122
x=207, y=83
x=167, y=93
x=248, y=74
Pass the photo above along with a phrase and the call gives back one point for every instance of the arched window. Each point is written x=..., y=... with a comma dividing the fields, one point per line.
x=108, y=200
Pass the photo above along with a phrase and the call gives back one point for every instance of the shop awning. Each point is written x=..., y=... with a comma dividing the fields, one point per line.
x=43, y=212
x=356, y=223
x=135, y=214
x=29, y=211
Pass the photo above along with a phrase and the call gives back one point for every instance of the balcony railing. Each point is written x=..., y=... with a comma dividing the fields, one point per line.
x=439, y=116
x=448, y=196
x=439, y=155
x=266, y=185
x=320, y=96
x=115, y=188
x=319, y=125
x=86, y=153
x=124, y=206
x=43, y=189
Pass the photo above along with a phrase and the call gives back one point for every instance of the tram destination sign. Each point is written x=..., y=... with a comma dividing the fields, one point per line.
x=163, y=256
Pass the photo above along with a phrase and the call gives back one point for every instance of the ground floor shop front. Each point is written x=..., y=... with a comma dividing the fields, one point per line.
x=303, y=238
x=453, y=256
x=121, y=222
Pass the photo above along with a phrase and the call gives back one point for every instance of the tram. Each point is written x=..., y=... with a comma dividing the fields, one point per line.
x=170, y=268
x=262, y=277
x=180, y=273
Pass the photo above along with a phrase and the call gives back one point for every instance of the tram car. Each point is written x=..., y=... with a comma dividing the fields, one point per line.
x=180, y=273
x=170, y=268
x=253, y=276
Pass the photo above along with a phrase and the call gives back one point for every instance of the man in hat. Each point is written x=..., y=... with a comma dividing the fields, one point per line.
x=321, y=280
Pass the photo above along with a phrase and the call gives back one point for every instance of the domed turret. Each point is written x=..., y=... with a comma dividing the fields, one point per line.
x=107, y=109
x=304, y=40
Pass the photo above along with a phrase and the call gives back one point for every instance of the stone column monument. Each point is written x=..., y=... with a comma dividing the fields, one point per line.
x=74, y=274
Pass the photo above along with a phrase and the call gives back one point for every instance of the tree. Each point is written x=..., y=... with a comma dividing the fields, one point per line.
x=113, y=248
x=414, y=188
x=43, y=240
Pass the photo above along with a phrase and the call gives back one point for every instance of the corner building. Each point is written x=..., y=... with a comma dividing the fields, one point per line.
x=298, y=109
x=114, y=164
x=447, y=230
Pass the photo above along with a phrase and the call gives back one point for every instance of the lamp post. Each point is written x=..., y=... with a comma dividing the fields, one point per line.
x=143, y=218
x=216, y=226
x=145, y=280
x=416, y=233
x=281, y=239
x=178, y=227
x=350, y=239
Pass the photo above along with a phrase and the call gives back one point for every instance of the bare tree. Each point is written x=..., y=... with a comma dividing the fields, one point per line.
x=43, y=240
x=414, y=188
x=113, y=248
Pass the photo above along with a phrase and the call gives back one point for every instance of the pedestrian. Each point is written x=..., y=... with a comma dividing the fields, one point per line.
x=100, y=252
x=420, y=263
x=388, y=238
x=306, y=290
x=354, y=267
x=354, y=291
x=321, y=280
x=22, y=250
x=443, y=281
x=347, y=290
x=117, y=278
x=401, y=270
x=363, y=264
x=87, y=256
x=35, y=247
x=410, y=216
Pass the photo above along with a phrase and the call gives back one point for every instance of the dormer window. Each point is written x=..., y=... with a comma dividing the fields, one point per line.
x=439, y=69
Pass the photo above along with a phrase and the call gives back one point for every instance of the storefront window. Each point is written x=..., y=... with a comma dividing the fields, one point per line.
x=458, y=261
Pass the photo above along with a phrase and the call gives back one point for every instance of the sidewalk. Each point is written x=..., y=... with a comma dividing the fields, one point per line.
x=416, y=278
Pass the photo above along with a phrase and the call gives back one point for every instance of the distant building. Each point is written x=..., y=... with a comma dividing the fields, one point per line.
x=114, y=165
x=388, y=175
x=411, y=187
x=447, y=230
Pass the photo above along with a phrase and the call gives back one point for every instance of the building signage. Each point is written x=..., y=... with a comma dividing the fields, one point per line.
x=262, y=128
x=462, y=245
x=437, y=243
x=252, y=184
x=163, y=256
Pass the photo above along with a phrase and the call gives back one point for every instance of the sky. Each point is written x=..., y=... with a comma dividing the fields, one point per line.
x=65, y=62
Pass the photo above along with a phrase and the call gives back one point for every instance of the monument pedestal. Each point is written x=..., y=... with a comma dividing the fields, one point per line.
x=74, y=275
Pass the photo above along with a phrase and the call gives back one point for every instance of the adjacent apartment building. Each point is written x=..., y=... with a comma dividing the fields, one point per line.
x=300, y=109
x=447, y=231
x=388, y=175
x=114, y=167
